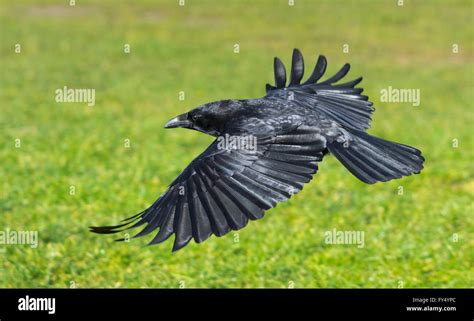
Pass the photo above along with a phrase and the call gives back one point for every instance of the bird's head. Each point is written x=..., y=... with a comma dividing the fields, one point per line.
x=209, y=118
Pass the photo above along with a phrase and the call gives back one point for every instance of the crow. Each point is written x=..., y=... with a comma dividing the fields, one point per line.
x=265, y=150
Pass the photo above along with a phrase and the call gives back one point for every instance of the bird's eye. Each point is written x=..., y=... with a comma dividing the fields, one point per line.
x=194, y=117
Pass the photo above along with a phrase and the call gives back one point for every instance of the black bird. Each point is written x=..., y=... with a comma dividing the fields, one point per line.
x=265, y=150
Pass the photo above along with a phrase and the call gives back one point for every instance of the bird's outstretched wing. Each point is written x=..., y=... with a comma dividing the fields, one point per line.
x=223, y=188
x=342, y=103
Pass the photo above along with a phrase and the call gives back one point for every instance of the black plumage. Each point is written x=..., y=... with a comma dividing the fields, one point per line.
x=293, y=127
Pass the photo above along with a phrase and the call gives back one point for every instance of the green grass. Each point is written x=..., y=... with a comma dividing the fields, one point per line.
x=408, y=238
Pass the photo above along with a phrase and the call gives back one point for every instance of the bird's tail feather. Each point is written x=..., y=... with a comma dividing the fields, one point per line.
x=372, y=159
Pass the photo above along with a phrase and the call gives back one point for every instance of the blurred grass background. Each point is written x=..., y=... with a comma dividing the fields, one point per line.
x=408, y=238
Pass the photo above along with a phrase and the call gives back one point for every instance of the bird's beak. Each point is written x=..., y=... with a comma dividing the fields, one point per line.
x=179, y=121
